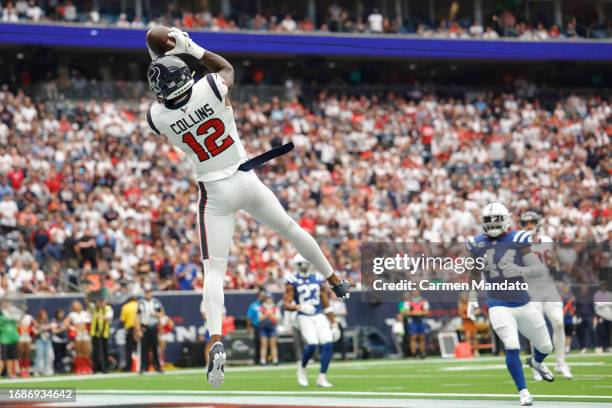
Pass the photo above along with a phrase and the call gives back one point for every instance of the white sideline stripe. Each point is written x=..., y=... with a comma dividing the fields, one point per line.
x=335, y=393
x=350, y=364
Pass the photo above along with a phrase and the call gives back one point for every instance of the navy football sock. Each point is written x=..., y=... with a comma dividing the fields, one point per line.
x=513, y=362
x=308, y=352
x=327, y=351
x=537, y=356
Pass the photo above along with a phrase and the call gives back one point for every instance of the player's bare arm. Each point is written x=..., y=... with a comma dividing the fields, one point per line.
x=327, y=309
x=217, y=64
x=288, y=300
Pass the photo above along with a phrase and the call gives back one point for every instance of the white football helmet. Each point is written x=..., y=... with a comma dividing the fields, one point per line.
x=495, y=219
x=301, y=265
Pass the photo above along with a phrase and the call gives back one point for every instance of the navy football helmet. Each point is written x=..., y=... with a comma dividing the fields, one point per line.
x=169, y=77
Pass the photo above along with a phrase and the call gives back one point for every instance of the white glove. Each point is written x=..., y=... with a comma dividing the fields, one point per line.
x=184, y=44
x=471, y=310
x=509, y=269
x=307, y=309
x=335, y=330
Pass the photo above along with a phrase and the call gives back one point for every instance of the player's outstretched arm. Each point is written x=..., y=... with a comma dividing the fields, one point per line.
x=211, y=61
x=217, y=64
x=533, y=267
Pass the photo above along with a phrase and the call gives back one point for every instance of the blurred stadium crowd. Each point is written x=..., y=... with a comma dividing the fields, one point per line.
x=505, y=23
x=90, y=197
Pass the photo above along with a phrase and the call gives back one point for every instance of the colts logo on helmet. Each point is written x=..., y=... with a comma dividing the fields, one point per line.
x=153, y=76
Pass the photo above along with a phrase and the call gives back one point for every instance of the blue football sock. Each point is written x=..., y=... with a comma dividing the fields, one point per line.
x=537, y=356
x=327, y=351
x=308, y=352
x=513, y=362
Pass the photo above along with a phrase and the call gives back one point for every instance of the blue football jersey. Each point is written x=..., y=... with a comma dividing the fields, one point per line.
x=509, y=247
x=307, y=290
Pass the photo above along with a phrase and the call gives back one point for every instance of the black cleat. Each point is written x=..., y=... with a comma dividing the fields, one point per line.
x=216, y=365
x=342, y=290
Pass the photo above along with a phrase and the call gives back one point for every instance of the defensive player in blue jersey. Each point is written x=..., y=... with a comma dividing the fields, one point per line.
x=306, y=292
x=509, y=260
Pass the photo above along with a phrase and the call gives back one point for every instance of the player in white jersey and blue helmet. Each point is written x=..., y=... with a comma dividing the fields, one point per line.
x=197, y=118
x=306, y=293
x=543, y=289
x=509, y=260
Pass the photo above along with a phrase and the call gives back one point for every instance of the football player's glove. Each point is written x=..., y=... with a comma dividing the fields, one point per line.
x=471, y=310
x=335, y=330
x=307, y=309
x=342, y=290
x=184, y=44
x=535, y=269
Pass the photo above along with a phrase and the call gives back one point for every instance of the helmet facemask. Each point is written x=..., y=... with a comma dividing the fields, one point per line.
x=495, y=225
x=302, y=268
x=530, y=217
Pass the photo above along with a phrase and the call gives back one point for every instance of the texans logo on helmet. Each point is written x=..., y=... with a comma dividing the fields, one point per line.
x=153, y=76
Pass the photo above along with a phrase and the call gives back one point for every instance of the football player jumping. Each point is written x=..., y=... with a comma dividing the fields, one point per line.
x=197, y=118
x=543, y=288
x=306, y=293
x=509, y=260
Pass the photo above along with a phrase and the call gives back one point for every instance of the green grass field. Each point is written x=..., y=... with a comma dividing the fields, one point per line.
x=484, y=378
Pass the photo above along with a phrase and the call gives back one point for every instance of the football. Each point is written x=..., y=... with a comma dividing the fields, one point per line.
x=159, y=41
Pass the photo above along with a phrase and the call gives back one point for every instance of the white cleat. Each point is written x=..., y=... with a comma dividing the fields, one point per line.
x=302, y=377
x=322, y=381
x=536, y=375
x=525, y=398
x=216, y=365
x=564, y=370
x=541, y=369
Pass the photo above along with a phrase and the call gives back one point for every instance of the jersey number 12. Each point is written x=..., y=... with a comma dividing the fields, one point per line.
x=210, y=148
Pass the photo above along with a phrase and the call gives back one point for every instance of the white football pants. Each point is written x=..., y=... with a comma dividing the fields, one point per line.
x=219, y=202
x=315, y=329
x=554, y=313
x=509, y=321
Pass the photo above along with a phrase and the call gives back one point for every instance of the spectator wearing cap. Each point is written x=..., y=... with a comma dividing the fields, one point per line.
x=150, y=311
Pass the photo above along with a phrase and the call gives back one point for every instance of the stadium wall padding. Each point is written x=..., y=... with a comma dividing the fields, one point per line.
x=361, y=46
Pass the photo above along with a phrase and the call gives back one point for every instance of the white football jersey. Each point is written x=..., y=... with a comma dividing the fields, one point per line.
x=542, y=247
x=204, y=128
x=543, y=288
